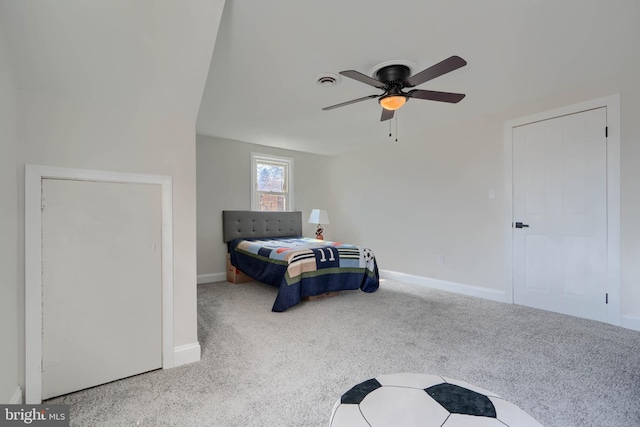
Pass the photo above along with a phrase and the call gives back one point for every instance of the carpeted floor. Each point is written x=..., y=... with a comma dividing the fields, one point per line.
x=260, y=368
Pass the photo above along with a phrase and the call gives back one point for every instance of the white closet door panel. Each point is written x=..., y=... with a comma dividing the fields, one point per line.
x=559, y=190
x=101, y=283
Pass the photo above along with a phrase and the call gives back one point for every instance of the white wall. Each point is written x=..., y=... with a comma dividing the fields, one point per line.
x=60, y=132
x=8, y=230
x=112, y=85
x=420, y=198
x=428, y=196
x=224, y=183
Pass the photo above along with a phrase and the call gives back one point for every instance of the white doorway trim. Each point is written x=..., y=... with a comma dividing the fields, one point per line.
x=612, y=104
x=34, y=174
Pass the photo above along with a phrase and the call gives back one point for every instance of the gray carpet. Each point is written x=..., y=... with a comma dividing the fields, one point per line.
x=260, y=368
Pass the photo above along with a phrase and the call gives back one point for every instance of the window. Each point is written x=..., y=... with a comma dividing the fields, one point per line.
x=272, y=183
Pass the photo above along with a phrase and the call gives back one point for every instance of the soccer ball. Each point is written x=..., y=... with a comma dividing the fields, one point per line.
x=406, y=400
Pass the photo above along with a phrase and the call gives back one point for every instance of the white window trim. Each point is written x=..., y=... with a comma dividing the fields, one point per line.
x=288, y=161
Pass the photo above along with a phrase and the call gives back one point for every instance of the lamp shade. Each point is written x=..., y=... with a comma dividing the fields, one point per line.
x=319, y=216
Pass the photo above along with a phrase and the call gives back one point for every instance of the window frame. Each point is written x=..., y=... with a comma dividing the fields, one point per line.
x=277, y=160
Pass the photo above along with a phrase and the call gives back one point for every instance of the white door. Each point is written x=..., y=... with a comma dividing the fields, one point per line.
x=560, y=193
x=101, y=284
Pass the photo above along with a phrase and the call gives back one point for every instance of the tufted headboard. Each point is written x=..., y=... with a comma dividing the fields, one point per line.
x=242, y=224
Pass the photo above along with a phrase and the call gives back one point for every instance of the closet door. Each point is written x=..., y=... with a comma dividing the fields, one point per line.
x=102, y=283
x=560, y=214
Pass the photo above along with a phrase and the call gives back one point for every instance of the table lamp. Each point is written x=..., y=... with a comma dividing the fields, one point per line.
x=319, y=216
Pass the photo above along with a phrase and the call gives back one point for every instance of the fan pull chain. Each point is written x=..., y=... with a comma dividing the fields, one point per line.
x=390, y=131
x=396, y=126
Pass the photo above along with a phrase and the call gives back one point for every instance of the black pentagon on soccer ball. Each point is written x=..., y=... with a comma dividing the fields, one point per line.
x=360, y=391
x=459, y=400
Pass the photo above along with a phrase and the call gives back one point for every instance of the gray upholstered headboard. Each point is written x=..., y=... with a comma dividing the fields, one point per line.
x=256, y=224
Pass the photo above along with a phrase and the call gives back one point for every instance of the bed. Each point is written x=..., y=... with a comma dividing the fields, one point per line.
x=269, y=247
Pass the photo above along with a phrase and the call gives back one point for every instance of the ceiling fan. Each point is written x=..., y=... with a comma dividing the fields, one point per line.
x=392, y=79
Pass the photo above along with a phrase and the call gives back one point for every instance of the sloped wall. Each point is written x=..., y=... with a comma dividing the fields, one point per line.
x=114, y=85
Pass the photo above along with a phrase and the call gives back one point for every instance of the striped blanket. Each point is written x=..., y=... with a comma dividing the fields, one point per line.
x=302, y=267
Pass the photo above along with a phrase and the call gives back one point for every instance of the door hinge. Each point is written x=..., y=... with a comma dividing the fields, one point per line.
x=42, y=204
x=606, y=298
x=606, y=131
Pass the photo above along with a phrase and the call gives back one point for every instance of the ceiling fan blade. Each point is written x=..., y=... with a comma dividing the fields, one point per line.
x=352, y=74
x=436, y=96
x=443, y=67
x=353, y=101
x=386, y=114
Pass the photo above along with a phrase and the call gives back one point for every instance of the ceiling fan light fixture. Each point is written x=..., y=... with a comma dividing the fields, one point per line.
x=392, y=102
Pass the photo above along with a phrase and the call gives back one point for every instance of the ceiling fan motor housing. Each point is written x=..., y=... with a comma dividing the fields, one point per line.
x=394, y=77
x=393, y=74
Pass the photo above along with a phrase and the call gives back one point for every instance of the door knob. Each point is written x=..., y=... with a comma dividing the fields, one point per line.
x=521, y=225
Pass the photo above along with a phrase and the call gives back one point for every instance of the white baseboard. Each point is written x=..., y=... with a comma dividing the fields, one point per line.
x=443, y=285
x=212, y=277
x=16, y=399
x=630, y=322
x=188, y=353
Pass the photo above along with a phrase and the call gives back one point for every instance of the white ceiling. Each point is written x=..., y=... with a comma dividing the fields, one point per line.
x=261, y=86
